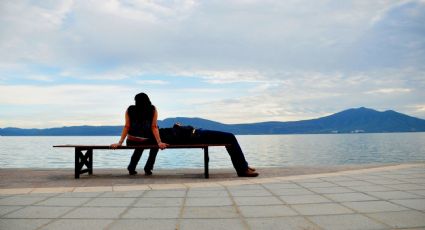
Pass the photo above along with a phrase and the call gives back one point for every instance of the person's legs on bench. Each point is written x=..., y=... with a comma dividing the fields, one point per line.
x=137, y=154
x=151, y=161
x=134, y=160
x=235, y=152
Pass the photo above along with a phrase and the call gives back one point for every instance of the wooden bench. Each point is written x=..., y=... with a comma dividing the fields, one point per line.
x=84, y=154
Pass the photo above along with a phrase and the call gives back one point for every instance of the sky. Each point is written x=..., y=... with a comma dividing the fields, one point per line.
x=66, y=63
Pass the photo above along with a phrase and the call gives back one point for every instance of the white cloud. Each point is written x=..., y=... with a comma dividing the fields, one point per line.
x=224, y=76
x=389, y=91
x=257, y=60
x=152, y=82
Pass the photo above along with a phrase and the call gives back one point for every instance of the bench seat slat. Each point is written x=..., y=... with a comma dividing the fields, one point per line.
x=82, y=159
x=173, y=146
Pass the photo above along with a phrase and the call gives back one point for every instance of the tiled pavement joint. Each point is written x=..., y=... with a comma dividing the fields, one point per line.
x=182, y=209
x=238, y=211
x=383, y=198
x=290, y=206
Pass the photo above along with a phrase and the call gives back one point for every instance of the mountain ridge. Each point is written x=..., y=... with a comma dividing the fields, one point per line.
x=354, y=120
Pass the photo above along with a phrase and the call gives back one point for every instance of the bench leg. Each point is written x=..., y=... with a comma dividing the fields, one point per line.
x=90, y=161
x=206, y=161
x=77, y=168
x=82, y=159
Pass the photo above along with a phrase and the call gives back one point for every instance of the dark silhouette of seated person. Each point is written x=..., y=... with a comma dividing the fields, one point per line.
x=141, y=128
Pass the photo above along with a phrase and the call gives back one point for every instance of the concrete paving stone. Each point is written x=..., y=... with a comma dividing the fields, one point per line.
x=309, y=180
x=417, y=192
x=85, y=224
x=210, y=212
x=167, y=186
x=38, y=194
x=211, y=224
x=93, y=189
x=317, y=185
x=256, y=192
x=7, y=209
x=266, y=200
x=291, y=191
x=129, y=188
x=154, y=224
x=165, y=193
x=394, y=195
x=203, y=185
x=212, y=188
x=153, y=213
x=400, y=176
x=207, y=193
x=374, y=206
x=346, y=222
x=405, y=187
x=22, y=224
x=266, y=211
x=64, y=201
x=39, y=212
x=20, y=200
x=415, y=180
x=321, y=209
x=366, y=177
x=95, y=212
x=355, y=196
x=353, y=183
x=372, y=188
x=282, y=223
x=15, y=191
x=208, y=201
x=305, y=199
x=127, y=194
x=385, y=181
x=110, y=202
x=273, y=186
x=418, y=204
x=331, y=190
x=245, y=187
x=230, y=183
x=337, y=178
x=403, y=219
x=52, y=190
x=80, y=194
x=263, y=180
x=156, y=202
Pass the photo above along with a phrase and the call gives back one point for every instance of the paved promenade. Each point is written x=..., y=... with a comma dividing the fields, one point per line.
x=387, y=197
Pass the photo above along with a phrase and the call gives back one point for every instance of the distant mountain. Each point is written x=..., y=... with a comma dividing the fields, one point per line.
x=360, y=120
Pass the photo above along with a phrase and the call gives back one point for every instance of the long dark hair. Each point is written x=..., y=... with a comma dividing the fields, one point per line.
x=143, y=110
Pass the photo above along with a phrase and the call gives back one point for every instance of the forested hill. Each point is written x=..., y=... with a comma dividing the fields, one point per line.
x=360, y=120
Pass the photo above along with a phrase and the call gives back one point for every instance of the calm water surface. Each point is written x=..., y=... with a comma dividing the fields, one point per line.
x=260, y=151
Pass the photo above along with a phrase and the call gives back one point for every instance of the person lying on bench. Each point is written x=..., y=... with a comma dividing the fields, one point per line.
x=199, y=136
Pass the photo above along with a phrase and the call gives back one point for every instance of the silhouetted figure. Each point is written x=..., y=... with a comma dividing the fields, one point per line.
x=141, y=128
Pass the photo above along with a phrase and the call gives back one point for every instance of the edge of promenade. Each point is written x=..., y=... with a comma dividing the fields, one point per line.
x=32, y=181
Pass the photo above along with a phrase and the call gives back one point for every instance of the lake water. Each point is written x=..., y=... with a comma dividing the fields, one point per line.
x=260, y=151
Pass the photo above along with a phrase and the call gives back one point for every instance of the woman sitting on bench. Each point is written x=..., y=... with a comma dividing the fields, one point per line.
x=141, y=127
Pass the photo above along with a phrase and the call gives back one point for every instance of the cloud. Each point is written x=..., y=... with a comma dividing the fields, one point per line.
x=183, y=35
x=389, y=91
x=306, y=95
x=394, y=39
x=152, y=82
x=232, y=61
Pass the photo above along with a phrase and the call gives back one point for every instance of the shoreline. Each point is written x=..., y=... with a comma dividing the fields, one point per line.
x=64, y=178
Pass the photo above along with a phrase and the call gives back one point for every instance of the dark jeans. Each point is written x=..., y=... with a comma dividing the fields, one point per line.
x=205, y=136
x=138, y=153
